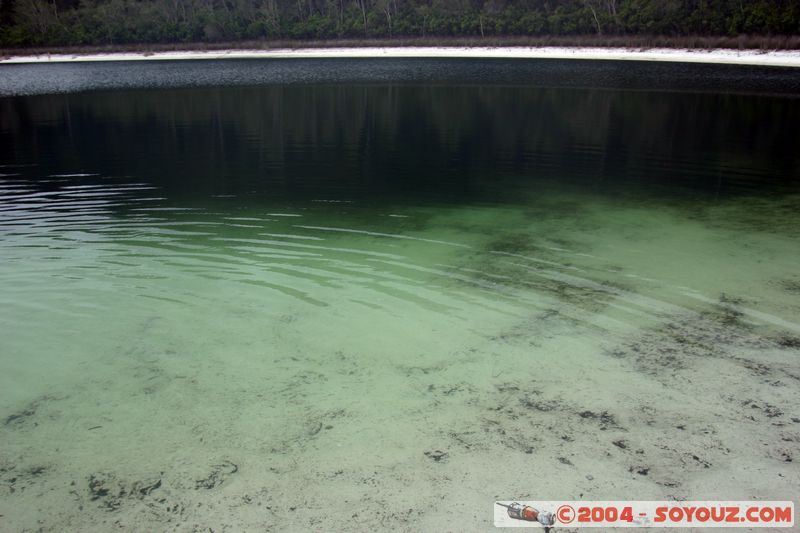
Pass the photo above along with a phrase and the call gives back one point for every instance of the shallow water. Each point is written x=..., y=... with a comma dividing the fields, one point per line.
x=289, y=297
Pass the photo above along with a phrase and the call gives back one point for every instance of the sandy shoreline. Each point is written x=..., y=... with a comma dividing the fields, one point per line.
x=777, y=58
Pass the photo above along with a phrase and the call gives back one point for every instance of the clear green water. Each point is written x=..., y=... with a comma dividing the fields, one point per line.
x=378, y=306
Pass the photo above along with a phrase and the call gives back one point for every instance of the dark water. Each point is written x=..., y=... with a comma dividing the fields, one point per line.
x=396, y=131
x=234, y=286
x=69, y=78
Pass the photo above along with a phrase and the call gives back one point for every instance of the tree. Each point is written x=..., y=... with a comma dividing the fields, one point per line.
x=6, y=12
x=363, y=6
x=38, y=17
x=594, y=6
x=386, y=6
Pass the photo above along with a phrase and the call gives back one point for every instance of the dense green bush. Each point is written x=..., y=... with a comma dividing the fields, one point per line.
x=97, y=22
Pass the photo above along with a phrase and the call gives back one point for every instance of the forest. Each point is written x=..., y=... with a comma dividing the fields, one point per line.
x=48, y=23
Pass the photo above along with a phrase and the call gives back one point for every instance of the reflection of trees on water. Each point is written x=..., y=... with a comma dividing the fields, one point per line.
x=383, y=138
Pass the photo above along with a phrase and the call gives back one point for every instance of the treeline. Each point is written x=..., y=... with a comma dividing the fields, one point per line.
x=101, y=22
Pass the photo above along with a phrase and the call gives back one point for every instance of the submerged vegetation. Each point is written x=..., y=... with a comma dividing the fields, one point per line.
x=118, y=22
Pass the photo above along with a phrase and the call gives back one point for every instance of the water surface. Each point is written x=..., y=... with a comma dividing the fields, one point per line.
x=346, y=295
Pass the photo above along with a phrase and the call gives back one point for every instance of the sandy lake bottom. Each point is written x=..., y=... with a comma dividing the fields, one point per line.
x=432, y=365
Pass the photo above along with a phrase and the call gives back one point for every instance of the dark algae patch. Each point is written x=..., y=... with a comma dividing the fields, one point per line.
x=219, y=473
x=685, y=341
x=20, y=417
x=436, y=455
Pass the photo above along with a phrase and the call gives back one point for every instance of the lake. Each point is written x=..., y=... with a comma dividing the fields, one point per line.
x=352, y=295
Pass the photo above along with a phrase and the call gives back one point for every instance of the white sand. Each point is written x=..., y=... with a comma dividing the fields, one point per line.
x=727, y=56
